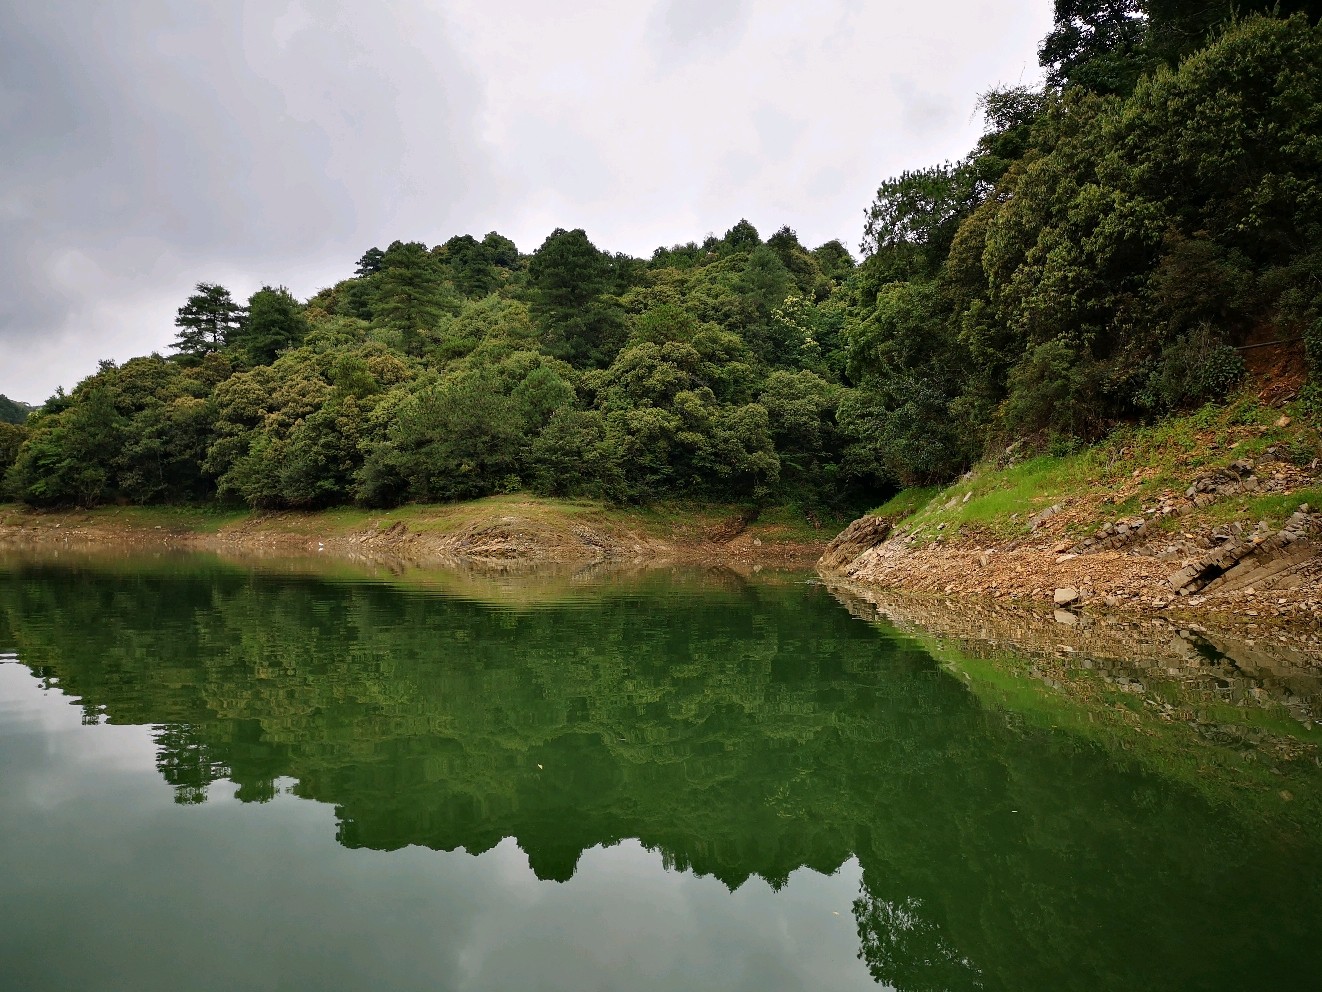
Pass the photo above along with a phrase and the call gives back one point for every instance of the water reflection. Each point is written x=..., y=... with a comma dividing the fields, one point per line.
x=737, y=729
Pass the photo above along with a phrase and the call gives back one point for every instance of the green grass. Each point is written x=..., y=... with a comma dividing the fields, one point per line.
x=907, y=502
x=1134, y=468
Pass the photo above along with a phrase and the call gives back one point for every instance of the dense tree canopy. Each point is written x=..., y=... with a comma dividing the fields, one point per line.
x=12, y=411
x=1096, y=258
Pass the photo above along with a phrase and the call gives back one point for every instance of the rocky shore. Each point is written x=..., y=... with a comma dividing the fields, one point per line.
x=1180, y=554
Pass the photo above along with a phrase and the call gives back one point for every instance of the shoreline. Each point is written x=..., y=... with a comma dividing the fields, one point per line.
x=501, y=533
x=1200, y=528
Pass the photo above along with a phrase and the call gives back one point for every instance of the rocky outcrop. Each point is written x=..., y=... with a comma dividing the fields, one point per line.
x=862, y=535
x=1041, y=517
x=1230, y=566
x=1262, y=560
x=1112, y=535
x=1236, y=478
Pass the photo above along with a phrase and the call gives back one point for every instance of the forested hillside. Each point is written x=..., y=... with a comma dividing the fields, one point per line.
x=1099, y=258
x=13, y=412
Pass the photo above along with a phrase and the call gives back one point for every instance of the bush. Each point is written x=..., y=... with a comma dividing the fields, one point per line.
x=1057, y=389
x=1196, y=369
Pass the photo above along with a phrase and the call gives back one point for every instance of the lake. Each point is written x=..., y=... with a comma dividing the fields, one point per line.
x=291, y=776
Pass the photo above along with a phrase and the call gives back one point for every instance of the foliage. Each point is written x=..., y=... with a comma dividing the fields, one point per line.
x=568, y=280
x=12, y=411
x=208, y=321
x=12, y=437
x=275, y=321
x=1095, y=261
x=135, y=432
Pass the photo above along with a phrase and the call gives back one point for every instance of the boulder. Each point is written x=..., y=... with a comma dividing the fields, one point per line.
x=863, y=534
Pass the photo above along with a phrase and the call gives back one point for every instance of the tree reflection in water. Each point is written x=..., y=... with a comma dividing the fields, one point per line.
x=738, y=729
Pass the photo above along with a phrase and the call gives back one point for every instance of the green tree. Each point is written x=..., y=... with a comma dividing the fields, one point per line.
x=568, y=280
x=455, y=439
x=501, y=250
x=207, y=321
x=12, y=437
x=742, y=237
x=834, y=260
x=275, y=322
x=65, y=459
x=13, y=412
x=411, y=296
x=914, y=217
x=371, y=262
x=471, y=264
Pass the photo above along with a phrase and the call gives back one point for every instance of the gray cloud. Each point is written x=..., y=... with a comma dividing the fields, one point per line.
x=152, y=145
x=159, y=144
x=701, y=25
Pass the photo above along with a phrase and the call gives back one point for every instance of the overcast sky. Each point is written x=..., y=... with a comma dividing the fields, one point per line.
x=149, y=145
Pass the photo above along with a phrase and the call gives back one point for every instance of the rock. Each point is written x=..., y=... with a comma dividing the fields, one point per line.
x=1065, y=596
x=1065, y=617
x=1038, y=519
x=862, y=535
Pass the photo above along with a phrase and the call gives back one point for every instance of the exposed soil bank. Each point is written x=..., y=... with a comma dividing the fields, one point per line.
x=506, y=531
x=1187, y=552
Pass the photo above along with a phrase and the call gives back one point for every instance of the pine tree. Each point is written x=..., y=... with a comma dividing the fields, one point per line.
x=275, y=322
x=208, y=321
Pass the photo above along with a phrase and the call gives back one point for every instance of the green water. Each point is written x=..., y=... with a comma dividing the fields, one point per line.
x=219, y=778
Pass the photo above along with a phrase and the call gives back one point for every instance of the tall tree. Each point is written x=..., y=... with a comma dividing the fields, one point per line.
x=742, y=237
x=568, y=277
x=412, y=297
x=370, y=263
x=503, y=251
x=472, y=265
x=1096, y=44
x=207, y=321
x=275, y=322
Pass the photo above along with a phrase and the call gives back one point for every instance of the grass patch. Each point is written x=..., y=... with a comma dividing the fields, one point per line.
x=907, y=502
x=1133, y=469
